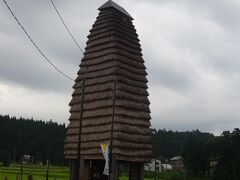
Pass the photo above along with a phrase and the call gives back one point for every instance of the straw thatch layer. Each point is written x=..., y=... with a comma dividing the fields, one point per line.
x=106, y=83
x=113, y=56
x=110, y=63
x=97, y=121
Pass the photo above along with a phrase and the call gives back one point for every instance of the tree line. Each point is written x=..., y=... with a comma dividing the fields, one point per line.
x=42, y=140
x=204, y=154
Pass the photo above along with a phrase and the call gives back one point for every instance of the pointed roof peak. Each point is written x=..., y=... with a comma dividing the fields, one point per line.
x=110, y=3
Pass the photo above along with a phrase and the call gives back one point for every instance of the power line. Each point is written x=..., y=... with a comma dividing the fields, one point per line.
x=66, y=27
x=39, y=50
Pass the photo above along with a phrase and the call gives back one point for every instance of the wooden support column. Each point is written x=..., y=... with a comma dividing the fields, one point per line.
x=114, y=169
x=73, y=169
x=136, y=171
x=81, y=168
x=85, y=173
x=141, y=171
x=80, y=164
x=112, y=161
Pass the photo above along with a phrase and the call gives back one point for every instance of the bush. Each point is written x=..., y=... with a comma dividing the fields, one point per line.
x=5, y=157
x=170, y=175
x=175, y=175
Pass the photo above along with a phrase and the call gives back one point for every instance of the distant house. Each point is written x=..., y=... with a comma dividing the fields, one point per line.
x=213, y=165
x=27, y=159
x=154, y=163
x=177, y=163
x=167, y=167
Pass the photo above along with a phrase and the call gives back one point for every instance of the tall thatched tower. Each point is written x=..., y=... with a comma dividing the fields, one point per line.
x=110, y=101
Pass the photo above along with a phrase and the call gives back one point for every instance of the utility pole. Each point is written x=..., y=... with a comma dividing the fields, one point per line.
x=185, y=172
x=166, y=169
x=14, y=155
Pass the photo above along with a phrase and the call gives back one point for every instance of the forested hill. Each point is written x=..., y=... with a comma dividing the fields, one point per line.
x=203, y=153
x=45, y=140
x=42, y=140
x=167, y=144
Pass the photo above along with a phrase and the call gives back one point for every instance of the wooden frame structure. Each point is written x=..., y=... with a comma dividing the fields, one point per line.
x=110, y=101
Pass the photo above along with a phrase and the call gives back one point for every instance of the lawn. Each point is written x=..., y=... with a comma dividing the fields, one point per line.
x=38, y=172
x=62, y=173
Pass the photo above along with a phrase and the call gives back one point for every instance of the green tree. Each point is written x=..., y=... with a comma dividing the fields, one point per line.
x=5, y=157
x=42, y=140
x=227, y=156
x=196, y=153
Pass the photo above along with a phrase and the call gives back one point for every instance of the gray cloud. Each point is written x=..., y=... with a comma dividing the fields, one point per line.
x=191, y=50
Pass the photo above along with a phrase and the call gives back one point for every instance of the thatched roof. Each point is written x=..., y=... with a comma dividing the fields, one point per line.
x=113, y=54
x=110, y=3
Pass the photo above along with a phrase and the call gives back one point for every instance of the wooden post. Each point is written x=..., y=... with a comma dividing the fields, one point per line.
x=85, y=170
x=21, y=169
x=135, y=171
x=74, y=169
x=155, y=175
x=111, y=161
x=141, y=173
x=70, y=170
x=30, y=177
x=114, y=169
x=47, y=169
x=78, y=164
x=14, y=156
x=81, y=168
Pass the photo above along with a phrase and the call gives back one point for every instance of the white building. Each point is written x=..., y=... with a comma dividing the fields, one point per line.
x=150, y=166
x=167, y=167
x=27, y=159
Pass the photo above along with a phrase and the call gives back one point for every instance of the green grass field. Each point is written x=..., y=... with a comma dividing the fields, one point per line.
x=38, y=172
x=62, y=173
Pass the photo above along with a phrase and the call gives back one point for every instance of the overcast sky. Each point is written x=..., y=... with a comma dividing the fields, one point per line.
x=191, y=50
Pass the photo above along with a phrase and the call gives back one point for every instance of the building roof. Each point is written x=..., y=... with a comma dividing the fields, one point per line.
x=176, y=158
x=112, y=4
x=113, y=54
